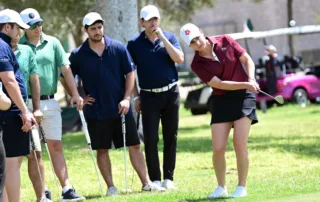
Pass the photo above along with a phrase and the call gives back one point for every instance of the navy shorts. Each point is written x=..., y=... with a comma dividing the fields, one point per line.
x=104, y=132
x=16, y=142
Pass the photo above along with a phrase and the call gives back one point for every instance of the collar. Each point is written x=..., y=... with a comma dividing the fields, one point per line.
x=24, y=38
x=5, y=37
x=107, y=41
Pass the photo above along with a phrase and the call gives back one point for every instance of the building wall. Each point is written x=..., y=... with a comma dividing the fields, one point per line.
x=266, y=15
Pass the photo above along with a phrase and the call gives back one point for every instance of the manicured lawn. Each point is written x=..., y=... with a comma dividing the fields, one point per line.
x=284, y=150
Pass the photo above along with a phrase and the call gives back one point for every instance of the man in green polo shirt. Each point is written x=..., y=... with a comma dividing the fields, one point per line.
x=28, y=67
x=51, y=61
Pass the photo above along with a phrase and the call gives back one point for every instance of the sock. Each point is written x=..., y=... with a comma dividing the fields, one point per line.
x=66, y=188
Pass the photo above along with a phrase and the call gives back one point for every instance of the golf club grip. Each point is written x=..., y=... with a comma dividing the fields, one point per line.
x=123, y=123
x=85, y=128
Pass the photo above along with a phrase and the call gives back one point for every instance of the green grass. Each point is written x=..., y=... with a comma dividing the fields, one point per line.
x=284, y=150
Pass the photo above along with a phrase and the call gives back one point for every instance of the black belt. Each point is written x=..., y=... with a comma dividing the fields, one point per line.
x=44, y=97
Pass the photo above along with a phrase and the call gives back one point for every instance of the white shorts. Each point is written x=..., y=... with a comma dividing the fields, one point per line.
x=52, y=121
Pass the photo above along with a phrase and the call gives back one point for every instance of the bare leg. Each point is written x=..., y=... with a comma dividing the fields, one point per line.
x=4, y=195
x=240, y=138
x=138, y=163
x=220, y=133
x=104, y=165
x=34, y=174
x=59, y=162
x=12, y=183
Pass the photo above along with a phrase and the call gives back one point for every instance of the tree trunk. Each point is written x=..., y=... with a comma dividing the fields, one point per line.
x=290, y=17
x=121, y=18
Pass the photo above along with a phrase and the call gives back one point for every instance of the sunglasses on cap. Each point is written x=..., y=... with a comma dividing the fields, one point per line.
x=194, y=40
x=37, y=24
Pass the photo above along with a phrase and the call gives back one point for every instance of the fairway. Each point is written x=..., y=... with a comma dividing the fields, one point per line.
x=284, y=150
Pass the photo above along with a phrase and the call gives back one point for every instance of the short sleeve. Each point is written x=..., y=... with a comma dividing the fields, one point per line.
x=238, y=49
x=32, y=63
x=60, y=56
x=127, y=64
x=175, y=42
x=73, y=64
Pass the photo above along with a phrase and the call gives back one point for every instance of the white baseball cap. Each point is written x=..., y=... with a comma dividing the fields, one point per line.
x=188, y=32
x=149, y=12
x=30, y=16
x=11, y=16
x=91, y=18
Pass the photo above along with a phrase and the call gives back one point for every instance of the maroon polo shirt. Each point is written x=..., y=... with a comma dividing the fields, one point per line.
x=229, y=68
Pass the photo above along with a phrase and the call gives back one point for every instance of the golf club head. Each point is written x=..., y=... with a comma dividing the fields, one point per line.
x=279, y=99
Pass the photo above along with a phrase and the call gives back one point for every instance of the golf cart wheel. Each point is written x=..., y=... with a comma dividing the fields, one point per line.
x=198, y=111
x=300, y=96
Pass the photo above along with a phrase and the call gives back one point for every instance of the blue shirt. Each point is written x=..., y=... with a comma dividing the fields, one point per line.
x=8, y=62
x=155, y=68
x=102, y=77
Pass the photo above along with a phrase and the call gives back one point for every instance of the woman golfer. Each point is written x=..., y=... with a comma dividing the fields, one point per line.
x=218, y=62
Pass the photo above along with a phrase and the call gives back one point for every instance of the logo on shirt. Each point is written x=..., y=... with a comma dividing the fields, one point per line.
x=4, y=60
x=223, y=48
x=187, y=32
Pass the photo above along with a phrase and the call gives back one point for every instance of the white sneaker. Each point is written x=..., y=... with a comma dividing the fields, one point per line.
x=219, y=192
x=168, y=184
x=153, y=187
x=112, y=191
x=157, y=182
x=239, y=192
x=44, y=199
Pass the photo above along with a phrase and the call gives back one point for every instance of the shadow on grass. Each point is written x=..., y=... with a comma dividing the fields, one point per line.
x=94, y=197
x=192, y=129
x=203, y=200
x=300, y=145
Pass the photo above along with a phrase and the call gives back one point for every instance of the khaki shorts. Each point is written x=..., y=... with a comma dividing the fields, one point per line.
x=52, y=121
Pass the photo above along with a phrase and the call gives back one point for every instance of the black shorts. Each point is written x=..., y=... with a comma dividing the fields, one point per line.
x=233, y=106
x=16, y=142
x=104, y=132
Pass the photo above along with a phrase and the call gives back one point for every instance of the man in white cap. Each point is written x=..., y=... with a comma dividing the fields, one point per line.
x=155, y=53
x=107, y=72
x=17, y=121
x=51, y=59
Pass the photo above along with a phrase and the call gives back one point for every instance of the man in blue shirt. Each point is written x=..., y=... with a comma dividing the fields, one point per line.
x=17, y=121
x=155, y=53
x=107, y=73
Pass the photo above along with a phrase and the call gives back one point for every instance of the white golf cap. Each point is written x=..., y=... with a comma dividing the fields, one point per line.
x=91, y=18
x=30, y=16
x=149, y=12
x=11, y=16
x=188, y=32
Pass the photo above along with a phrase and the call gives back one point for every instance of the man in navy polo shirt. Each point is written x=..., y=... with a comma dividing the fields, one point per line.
x=107, y=73
x=155, y=53
x=17, y=120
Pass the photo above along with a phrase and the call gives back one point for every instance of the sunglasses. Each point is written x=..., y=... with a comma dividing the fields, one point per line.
x=35, y=25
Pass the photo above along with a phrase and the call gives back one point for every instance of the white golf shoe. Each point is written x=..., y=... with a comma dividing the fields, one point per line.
x=112, y=191
x=153, y=187
x=239, y=192
x=169, y=185
x=157, y=182
x=219, y=192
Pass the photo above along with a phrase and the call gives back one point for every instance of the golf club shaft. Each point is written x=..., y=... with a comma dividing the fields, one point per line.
x=267, y=95
x=37, y=161
x=123, y=122
x=49, y=155
x=86, y=132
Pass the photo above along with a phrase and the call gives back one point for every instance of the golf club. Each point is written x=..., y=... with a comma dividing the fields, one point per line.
x=123, y=123
x=86, y=132
x=43, y=137
x=35, y=156
x=278, y=98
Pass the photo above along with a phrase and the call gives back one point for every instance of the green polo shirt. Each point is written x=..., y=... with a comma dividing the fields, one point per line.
x=27, y=62
x=50, y=58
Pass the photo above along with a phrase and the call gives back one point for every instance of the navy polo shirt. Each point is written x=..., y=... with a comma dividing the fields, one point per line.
x=155, y=68
x=102, y=77
x=8, y=62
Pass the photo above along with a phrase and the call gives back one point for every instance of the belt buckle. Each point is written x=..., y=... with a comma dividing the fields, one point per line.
x=157, y=90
